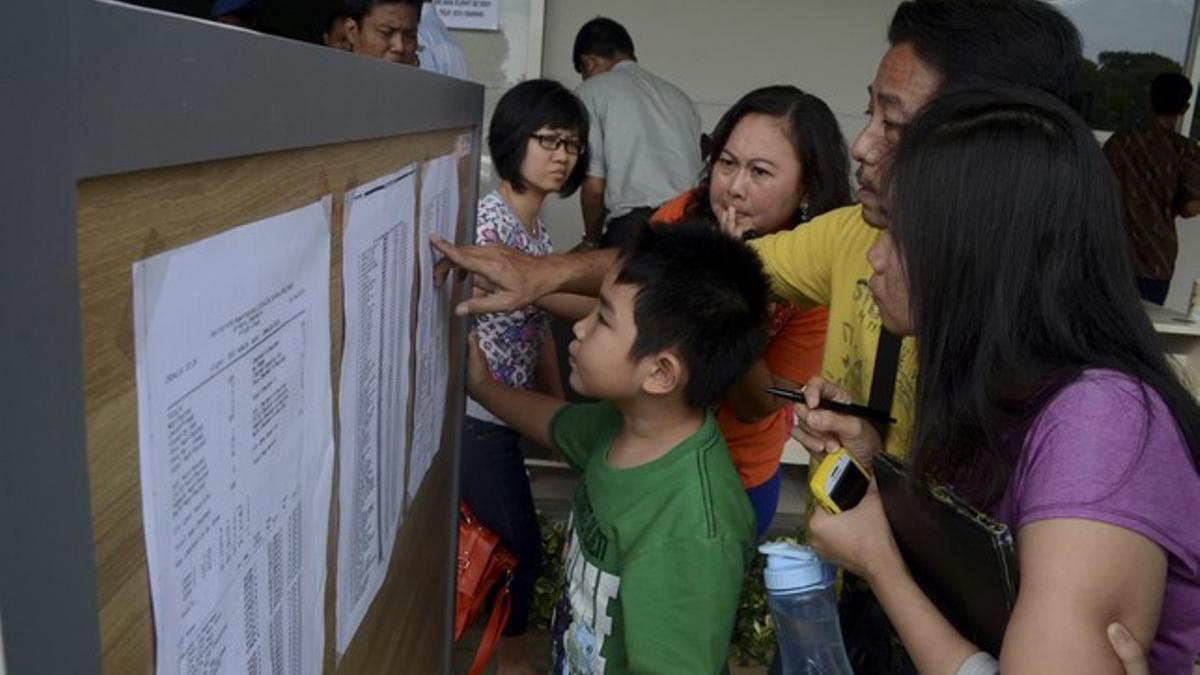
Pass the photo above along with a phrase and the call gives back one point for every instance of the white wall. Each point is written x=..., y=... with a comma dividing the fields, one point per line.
x=717, y=51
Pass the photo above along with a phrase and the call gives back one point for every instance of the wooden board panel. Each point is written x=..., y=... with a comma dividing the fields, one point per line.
x=124, y=218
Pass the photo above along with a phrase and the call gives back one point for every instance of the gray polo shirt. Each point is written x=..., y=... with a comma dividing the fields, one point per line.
x=644, y=139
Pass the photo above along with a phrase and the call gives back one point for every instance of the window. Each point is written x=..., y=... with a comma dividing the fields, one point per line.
x=1125, y=44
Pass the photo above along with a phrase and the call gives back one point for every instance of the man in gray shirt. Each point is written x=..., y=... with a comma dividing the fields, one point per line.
x=644, y=144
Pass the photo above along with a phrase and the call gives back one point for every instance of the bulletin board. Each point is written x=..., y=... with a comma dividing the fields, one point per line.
x=186, y=129
x=132, y=216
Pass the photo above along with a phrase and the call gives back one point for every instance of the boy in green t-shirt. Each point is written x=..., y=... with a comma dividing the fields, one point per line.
x=661, y=531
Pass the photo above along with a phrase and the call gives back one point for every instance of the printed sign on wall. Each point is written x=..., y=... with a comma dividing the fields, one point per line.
x=469, y=14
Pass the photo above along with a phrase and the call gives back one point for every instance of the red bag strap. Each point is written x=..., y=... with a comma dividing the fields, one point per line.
x=501, y=608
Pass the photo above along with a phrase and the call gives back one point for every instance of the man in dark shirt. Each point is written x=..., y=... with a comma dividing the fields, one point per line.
x=1159, y=174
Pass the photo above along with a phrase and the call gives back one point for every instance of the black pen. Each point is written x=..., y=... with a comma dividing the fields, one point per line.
x=852, y=409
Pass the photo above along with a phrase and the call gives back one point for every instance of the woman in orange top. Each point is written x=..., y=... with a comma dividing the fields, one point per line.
x=777, y=159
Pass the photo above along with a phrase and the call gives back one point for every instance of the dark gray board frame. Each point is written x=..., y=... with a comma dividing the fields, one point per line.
x=95, y=88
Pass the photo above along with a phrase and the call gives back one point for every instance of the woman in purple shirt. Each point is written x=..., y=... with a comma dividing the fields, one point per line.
x=1044, y=395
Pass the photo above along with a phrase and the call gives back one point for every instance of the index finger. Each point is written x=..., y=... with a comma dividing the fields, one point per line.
x=441, y=270
x=728, y=221
x=501, y=301
x=818, y=388
x=450, y=251
x=812, y=391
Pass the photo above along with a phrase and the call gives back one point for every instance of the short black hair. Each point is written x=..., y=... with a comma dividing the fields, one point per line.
x=1170, y=94
x=601, y=37
x=523, y=110
x=245, y=12
x=357, y=9
x=702, y=293
x=972, y=43
x=334, y=17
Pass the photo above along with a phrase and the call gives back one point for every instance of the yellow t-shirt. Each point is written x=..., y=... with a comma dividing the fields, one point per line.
x=825, y=263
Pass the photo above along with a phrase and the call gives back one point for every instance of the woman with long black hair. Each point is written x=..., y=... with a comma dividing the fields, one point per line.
x=1044, y=395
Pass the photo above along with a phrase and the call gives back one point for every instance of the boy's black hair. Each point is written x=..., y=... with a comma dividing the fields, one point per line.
x=1170, y=94
x=601, y=37
x=520, y=112
x=702, y=293
x=358, y=9
x=970, y=43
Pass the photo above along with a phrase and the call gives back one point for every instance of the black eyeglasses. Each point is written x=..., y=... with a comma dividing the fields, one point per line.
x=553, y=142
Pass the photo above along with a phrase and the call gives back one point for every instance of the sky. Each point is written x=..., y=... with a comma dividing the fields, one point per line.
x=1160, y=26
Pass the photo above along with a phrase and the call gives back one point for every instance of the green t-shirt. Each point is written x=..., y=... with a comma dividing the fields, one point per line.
x=655, y=554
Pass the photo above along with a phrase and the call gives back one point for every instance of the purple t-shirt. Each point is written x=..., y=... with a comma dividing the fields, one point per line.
x=1107, y=449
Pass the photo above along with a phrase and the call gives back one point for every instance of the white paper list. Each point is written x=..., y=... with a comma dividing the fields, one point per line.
x=236, y=448
x=439, y=215
x=377, y=274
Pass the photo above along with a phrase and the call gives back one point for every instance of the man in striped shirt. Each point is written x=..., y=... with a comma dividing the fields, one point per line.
x=1159, y=174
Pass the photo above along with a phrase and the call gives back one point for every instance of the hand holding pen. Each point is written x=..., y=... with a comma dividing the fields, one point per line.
x=826, y=419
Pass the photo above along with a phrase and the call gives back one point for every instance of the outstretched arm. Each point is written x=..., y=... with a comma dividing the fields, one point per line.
x=529, y=412
x=569, y=306
x=511, y=279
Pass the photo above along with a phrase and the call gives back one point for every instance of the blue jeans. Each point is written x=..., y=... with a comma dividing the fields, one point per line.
x=1154, y=290
x=493, y=481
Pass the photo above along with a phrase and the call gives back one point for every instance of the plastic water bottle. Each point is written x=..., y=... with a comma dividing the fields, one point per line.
x=801, y=597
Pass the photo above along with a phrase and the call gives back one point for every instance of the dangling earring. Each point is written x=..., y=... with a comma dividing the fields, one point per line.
x=804, y=212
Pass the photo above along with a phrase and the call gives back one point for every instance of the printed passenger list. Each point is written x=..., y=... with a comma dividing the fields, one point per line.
x=377, y=275
x=236, y=447
x=439, y=215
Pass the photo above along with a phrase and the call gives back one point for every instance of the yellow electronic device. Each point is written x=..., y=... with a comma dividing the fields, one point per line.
x=839, y=481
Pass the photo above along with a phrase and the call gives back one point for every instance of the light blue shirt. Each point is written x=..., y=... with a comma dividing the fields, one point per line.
x=439, y=52
x=644, y=139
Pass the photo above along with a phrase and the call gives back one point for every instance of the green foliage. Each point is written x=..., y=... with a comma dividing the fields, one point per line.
x=754, y=632
x=1117, y=88
x=548, y=587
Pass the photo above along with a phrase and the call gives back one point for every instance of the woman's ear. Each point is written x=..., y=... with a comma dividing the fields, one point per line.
x=666, y=374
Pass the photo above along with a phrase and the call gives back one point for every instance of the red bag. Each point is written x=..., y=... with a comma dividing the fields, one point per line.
x=482, y=563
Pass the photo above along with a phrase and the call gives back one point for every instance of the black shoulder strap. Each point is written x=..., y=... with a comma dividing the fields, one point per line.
x=883, y=379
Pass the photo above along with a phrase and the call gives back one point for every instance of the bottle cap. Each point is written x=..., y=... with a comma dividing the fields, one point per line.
x=791, y=567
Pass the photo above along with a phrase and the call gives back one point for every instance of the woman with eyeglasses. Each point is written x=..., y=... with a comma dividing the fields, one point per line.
x=537, y=140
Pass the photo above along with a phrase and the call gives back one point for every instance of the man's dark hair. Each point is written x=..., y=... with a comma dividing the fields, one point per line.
x=334, y=17
x=1017, y=283
x=701, y=293
x=601, y=37
x=358, y=9
x=972, y=43
x=816, y=139
x=246, y=12
x=1170, y=94
x=524, y=109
